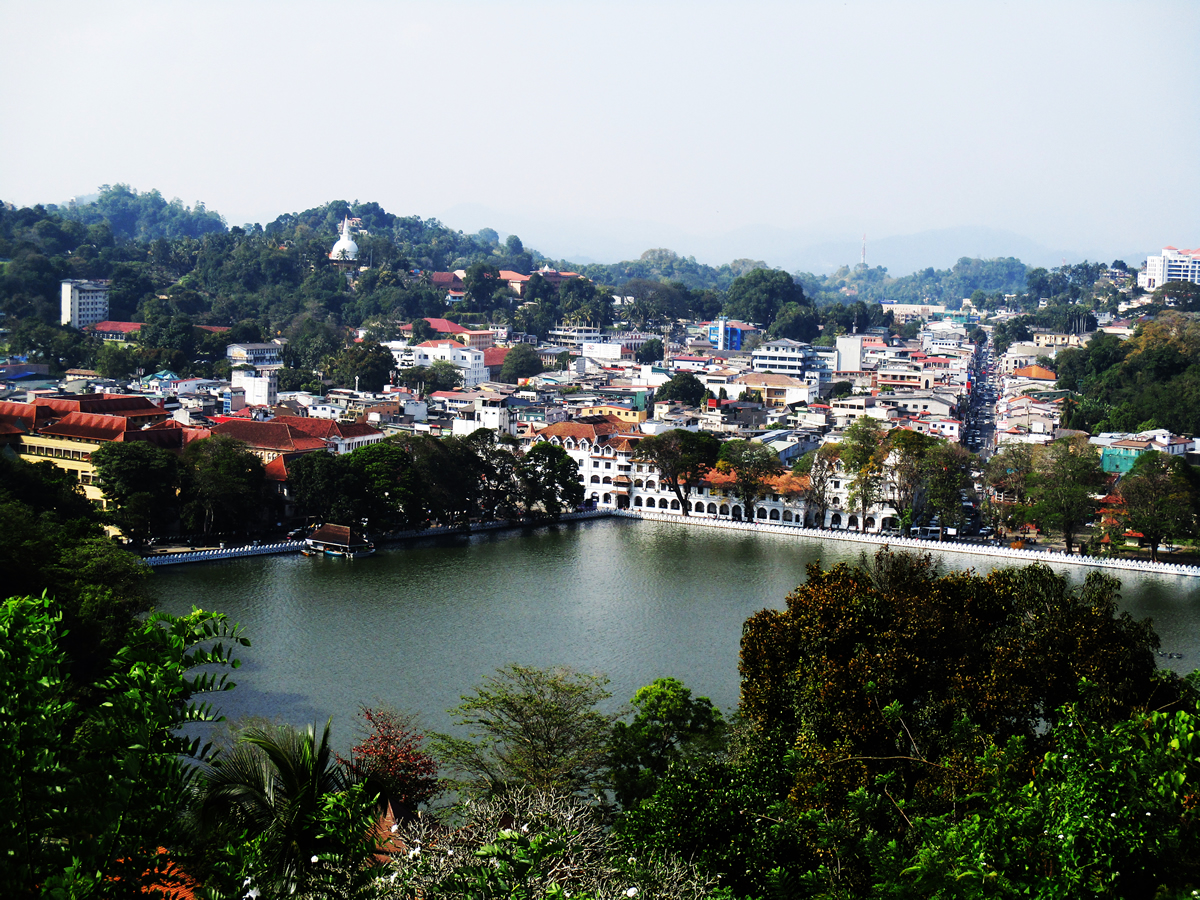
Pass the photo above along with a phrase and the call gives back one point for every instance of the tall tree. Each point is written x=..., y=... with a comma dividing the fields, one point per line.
x=758, y=296
x=1160, y=496
x=864, y=455
x=141, y=481
x=1066, y=476
x=221, y=485
x=549, y=480
x=683, y=388
x=681, y=457
x=752, y=464
x=668, y=726
x=520, y=362
x=819, y=466
x=367, y=366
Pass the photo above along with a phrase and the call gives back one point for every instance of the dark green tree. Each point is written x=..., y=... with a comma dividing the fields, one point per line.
x=669, y=726
x=758, y=296
x=752, y=464
x=222, y=485
x=520, y=362
x=1065, y=479
x=650, y=352
x=141, y=481
x=683, y=388
x=682, y=459
x=1160, y=497
x=549, y=480
x=367, y=366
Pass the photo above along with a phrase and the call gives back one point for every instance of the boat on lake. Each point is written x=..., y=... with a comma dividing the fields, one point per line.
x=337, y=540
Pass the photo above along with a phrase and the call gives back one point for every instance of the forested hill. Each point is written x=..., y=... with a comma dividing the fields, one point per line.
x=143, y=216
x=147, y=216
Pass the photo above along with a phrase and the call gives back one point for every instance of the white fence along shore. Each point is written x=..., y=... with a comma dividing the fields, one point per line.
x=858, y=537
x=705, y=521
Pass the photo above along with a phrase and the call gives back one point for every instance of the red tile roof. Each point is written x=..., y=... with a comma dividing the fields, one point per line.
x=494, y=356
x=88, y=426
x=442, y=326
x=24, y=413
x=271, y=436
x=111, y=327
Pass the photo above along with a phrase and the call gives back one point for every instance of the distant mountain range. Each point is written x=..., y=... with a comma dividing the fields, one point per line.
x=613, y=240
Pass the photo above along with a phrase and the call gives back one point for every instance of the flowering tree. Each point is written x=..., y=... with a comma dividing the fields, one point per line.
x=391, y=756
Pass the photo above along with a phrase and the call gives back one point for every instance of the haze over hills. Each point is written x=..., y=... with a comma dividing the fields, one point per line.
x=819, y=251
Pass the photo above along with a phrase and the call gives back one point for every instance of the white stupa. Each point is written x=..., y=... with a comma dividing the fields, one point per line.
x=345, y=250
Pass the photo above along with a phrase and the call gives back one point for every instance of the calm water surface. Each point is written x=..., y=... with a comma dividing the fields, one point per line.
x=417, y=626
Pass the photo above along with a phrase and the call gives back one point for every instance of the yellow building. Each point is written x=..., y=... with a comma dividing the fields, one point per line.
x=624, y=413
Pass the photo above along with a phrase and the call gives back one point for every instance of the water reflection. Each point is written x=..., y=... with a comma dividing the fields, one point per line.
x=419, y=625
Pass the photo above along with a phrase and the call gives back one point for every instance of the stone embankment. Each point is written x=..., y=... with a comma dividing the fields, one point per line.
x=1023, y=555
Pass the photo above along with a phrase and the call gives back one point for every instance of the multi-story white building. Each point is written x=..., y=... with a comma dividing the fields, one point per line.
x=84, y=303
x=469, y=362
x=261, y=356
x=1172, y=265
x=261, y=390
x=785, y=357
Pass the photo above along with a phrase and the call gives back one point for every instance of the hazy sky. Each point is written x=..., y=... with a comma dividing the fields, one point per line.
x=1076, y=124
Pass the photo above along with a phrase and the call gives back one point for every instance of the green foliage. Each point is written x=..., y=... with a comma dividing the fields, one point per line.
x=526, y=845
x=293, y=817
x=882, y=683
x=145, y=216
x=650, y=352
x=682, y=458
x=668, y=727
x=549, y=480
x=1110, y=812
x=520, y=362
x=683, y=388
x=1065, y=477
x=367, y=366
x=1160, y=496
x=752, y=464
x=141, y=481
x=222, y=484
x=528, y=727
x=120, y=765
x=759, y=296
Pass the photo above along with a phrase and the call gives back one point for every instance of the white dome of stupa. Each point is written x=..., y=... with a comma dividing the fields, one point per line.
x=344, y=249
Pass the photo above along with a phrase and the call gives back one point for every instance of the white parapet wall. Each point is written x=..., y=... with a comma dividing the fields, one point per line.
x=858, y=537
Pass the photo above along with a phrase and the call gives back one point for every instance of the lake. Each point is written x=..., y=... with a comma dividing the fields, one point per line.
x=418, y=625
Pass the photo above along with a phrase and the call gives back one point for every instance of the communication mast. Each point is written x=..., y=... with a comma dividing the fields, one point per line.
x=864, y=252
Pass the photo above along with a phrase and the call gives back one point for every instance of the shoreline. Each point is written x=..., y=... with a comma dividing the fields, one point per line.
x=856, y=537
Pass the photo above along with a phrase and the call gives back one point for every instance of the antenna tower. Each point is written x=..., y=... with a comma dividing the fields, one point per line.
x=864, y=253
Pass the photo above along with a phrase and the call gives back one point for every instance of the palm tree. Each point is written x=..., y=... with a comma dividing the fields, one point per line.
x=273, y=791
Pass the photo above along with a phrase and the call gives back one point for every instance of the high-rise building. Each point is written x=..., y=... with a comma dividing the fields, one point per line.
x=1172, y=265
x=84, y=303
